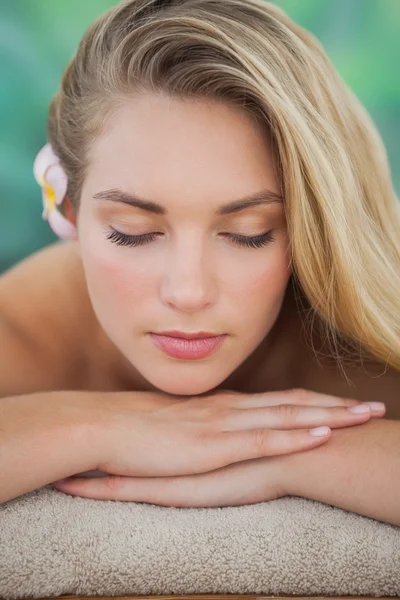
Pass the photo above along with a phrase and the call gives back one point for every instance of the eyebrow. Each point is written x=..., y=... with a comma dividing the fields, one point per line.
x=119, y=196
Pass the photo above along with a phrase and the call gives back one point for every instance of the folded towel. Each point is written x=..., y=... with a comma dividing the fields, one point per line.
x=53, y=544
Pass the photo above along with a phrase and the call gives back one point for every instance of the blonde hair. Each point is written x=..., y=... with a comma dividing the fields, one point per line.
x=343, y=215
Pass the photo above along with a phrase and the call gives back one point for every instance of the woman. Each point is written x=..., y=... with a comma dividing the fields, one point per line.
x=217, y=179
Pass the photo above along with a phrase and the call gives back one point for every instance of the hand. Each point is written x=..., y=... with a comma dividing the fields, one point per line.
x=202, y=434
x=245, y=482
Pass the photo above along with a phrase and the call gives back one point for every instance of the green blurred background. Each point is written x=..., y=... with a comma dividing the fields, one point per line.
x=38, y=37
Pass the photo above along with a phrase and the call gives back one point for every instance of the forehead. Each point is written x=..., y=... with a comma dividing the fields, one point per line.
x=163, y=143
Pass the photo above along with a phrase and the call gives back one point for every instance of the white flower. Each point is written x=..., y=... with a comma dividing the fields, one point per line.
x=52, y=179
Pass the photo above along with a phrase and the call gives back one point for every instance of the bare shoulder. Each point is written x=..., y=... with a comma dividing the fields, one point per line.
x=45, y=321
x=379, y=383
x=368, y=383
x=366, y=380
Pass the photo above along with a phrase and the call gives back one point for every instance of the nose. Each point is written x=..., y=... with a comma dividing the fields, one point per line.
x=188, y=285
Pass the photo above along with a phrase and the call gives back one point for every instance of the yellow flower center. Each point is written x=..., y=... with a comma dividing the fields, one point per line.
x=50, y=196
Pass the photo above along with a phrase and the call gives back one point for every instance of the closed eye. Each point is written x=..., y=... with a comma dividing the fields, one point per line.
x=122, y=239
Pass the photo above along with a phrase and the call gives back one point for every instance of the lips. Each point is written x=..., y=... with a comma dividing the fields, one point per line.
x=188, y=348
x=188, y=336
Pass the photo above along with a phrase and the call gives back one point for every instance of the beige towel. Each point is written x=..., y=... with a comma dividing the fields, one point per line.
x=53, y=544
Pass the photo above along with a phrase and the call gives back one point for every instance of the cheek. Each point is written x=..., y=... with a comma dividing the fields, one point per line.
x=114, y=275
x=118, y=277
x=260, y=293
x=263, y=282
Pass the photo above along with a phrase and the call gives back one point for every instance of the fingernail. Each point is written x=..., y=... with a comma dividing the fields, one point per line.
x=359, y=408
x=377, y=406
x=320, y=431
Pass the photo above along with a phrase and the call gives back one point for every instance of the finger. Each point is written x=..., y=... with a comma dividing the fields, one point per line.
x=191, y=490
x=230, y=447
x=290, y=416
x=85, y=487
x=113, y=487
x=292, y=396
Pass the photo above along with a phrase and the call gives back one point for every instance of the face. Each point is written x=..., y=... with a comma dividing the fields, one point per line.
x=185, y=267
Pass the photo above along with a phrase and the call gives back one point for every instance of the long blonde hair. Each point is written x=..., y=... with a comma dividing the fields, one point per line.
x=342, y=212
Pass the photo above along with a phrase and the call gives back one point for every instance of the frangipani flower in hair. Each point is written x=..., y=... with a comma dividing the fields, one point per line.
x=53, y=180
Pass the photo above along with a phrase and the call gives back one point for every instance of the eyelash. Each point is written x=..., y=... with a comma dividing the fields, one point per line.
x=121, y=239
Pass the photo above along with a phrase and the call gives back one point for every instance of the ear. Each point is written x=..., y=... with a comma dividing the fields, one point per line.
x=70, y=214
x=69, y=211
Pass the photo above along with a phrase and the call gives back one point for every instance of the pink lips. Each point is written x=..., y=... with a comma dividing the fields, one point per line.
x=188, y=348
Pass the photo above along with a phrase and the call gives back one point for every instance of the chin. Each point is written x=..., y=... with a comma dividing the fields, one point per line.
x=187, y=389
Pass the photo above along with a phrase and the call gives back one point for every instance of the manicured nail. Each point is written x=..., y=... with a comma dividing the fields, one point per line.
x=377, y=406
x=359, y=408
x=320, y=431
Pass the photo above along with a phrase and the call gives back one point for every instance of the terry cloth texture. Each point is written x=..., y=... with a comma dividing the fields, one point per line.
x=53, y=544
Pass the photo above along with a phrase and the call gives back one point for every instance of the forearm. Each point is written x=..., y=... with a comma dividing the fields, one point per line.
x=358, y=470
x=44, y=437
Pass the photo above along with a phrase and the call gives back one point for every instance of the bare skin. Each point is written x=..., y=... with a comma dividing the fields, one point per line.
x=58, y=328
x=159, y=247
